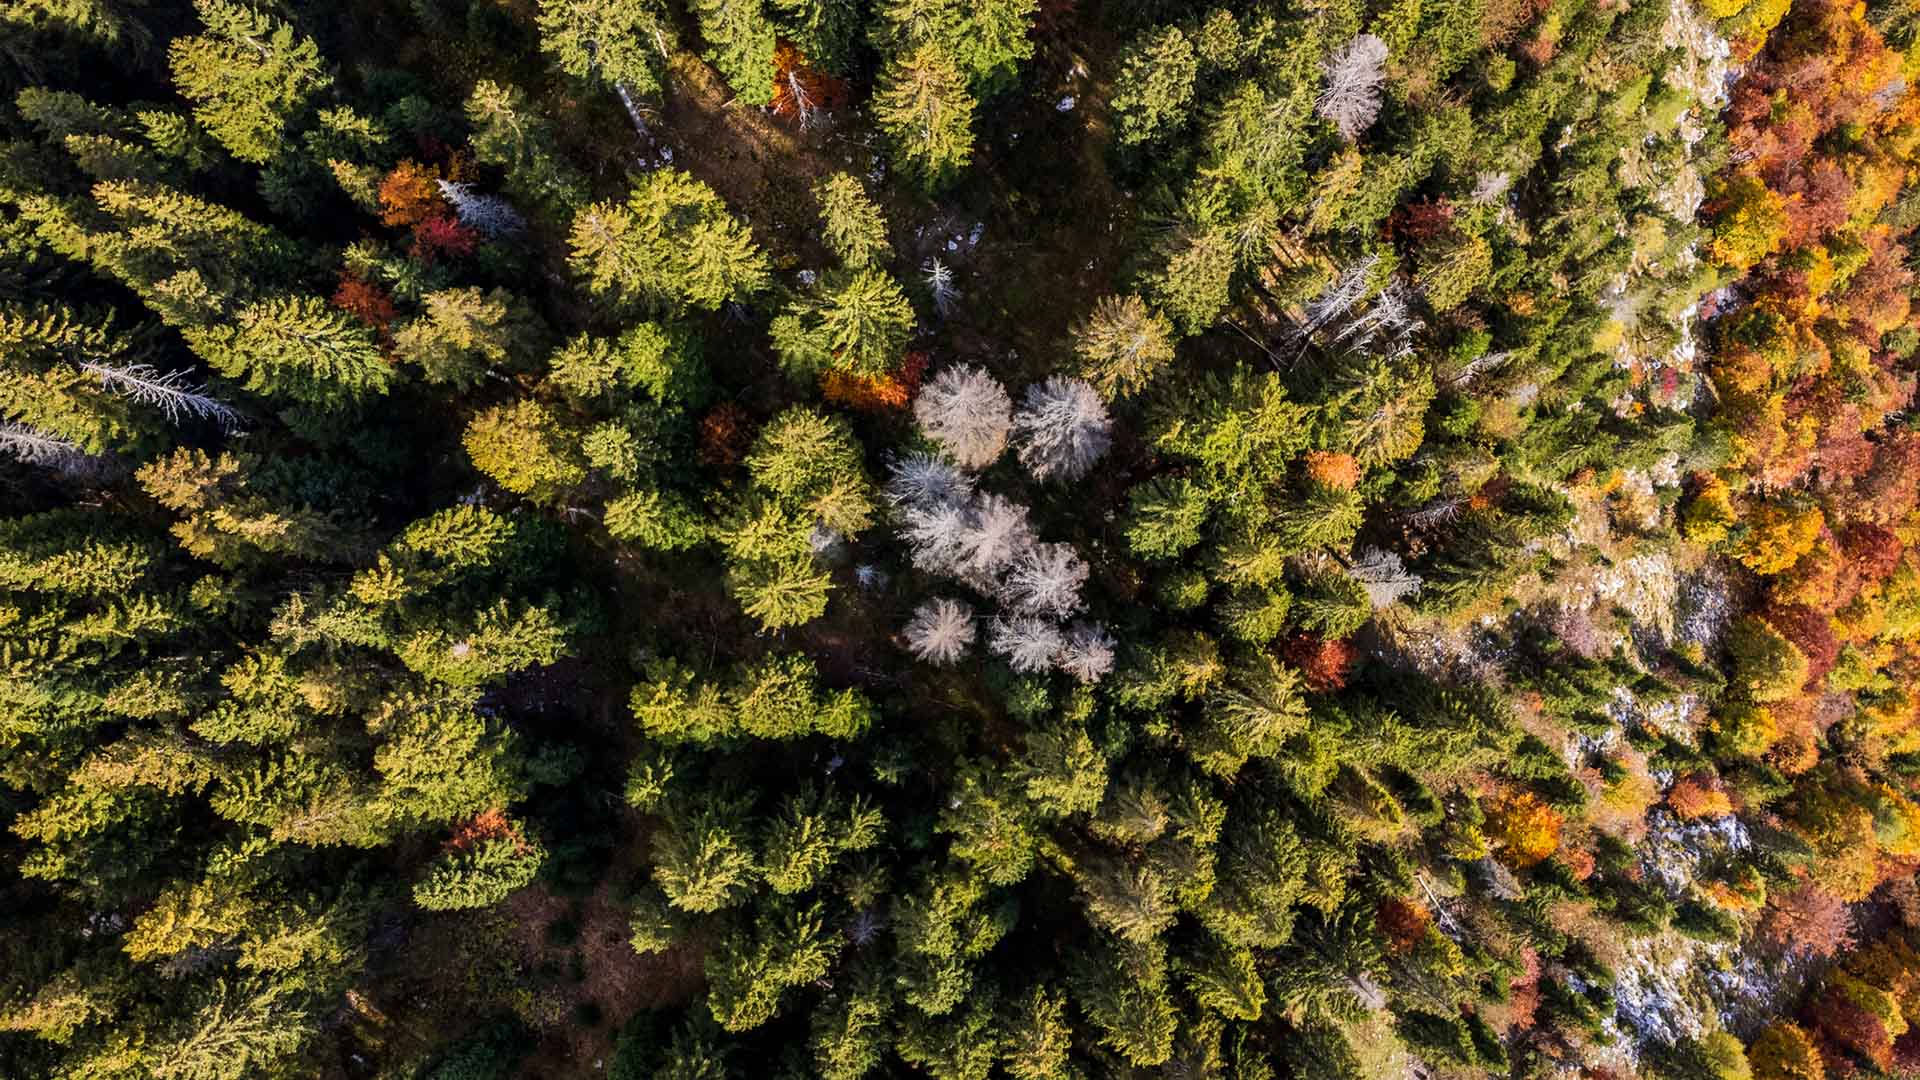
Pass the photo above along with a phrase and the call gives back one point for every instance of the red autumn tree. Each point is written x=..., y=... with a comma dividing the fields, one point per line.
x=1526, y=829
x=1338, y=471
x=876, y=393
x=1807, y=918
x=1697, y=796
x=725, y=433
x=365, y=301
x=802, y=93
x=1812, y=632
x=442, y=234
x=1324, y=664
x=1403, y=922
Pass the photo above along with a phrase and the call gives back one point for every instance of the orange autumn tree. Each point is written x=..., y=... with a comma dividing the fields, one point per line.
x=875, y=393
x=801, y=92
x=410, y=194
x=1525, y=829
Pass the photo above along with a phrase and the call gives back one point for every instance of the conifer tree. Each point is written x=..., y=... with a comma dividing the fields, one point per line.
x=622, y=43
x=1123, y=991
x=525, y=450
x=509, y=134
x=46, y=387
x=739, y=40
x=249, y=76
x=1122, y=345
x=463, y=335
x=750, y=970
x=826, y=31
x=924, y=108
x=851, y=224
x=239, y=1028
x=297, y=349
x=1156, y=82
x=481, y=877
x=857, y=322
x=671, y=243
x=226, y=519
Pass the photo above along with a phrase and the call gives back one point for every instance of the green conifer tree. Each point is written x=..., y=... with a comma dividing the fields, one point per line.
x=672, y=242
x=924, y=108
x=739, y=39
x=249, y=77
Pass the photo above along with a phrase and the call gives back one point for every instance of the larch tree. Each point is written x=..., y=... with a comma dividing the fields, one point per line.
x=1089, y=651
x=1046, y=579
x=1350, y=99
x=1122, y=345
x=968, y=413
x=1062, y=429
x=249, y=76
x=993, y=537
x=922, y=480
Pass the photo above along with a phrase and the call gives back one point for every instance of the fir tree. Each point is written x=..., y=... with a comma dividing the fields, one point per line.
x=249, y=76
x=924, y=108
x=672, y=242
x=507, y=133
x=1122, y=346
x=857, y=322
x=739, y=40
x=622, y=43
x=297, y=349
x=1157, y=76
x=851, y=224
x=481, y=877
x=523, y=448
x=464, y=335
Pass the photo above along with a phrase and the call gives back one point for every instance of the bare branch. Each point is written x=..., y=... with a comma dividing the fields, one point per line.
x=37, y=448
x=173, y=393
x=1046, y=580
x=966, y=411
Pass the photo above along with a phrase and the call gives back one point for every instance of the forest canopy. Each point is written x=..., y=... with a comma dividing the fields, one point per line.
x=1028, y=539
